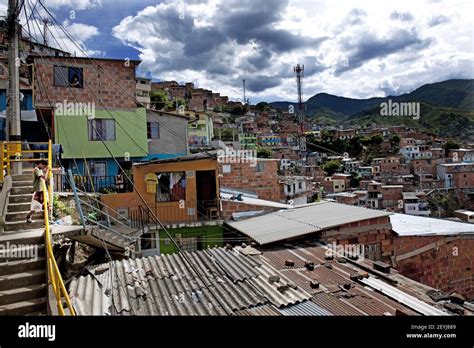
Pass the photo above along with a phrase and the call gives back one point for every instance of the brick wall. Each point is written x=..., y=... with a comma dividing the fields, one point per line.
x=228, y=208
x=245, y=177
x=448, y=267
x=374, y=234
x=107, y=83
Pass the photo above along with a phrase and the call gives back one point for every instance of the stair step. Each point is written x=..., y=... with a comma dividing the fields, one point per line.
x=24, y=265
x=24, y=307
x=23, y=252
x=23, y=225
x=21, y=216
x=15, y=207
x=21, y=190
x=17, y=280
x=22, y=177
x=22, y=294
x=19, y=183
x=23, y=198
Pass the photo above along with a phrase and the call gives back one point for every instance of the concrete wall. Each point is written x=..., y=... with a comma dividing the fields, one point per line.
x=173, y=139
x=130, y=135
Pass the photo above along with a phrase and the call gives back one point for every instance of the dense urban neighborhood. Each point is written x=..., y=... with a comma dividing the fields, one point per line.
x=166, y=198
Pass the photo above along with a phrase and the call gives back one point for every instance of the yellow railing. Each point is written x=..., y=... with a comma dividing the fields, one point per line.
x=12, y=152
x=54, y=276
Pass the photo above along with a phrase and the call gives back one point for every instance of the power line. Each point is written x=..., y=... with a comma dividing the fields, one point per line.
x=180, y=251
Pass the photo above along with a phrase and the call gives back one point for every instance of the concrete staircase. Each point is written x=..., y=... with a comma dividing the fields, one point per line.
x=23, y=278
x=18, y=206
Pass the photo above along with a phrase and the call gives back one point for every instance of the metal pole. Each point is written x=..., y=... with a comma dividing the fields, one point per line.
x=13, y=123
x=76, y=198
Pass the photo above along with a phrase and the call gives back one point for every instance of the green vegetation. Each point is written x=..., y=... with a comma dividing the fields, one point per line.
x=263, y=152
x=443, y=205
x=331, y=167
x=450, y=145
x=447, y=109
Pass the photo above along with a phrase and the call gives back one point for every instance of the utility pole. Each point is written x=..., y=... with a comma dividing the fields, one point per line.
x=245, y=97
x=45, y=31
x=299, y=72
x=13, y=121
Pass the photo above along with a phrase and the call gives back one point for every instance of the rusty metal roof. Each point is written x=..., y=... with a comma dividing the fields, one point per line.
x=229, y=282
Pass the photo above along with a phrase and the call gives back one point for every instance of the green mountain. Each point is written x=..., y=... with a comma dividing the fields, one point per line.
x=447, y=108
x=450, y=93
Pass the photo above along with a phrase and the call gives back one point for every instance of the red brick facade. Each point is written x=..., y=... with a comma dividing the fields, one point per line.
x=261, y=179
x=375, y=234
x=446, y=264
x=107, y=83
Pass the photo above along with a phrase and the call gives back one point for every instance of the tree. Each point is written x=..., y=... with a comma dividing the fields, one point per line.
x=376, y=139
x=263, y=152
x=394, y=140
x=261, y=106
x=450, y=145
x=159, y=100
x=331, y=167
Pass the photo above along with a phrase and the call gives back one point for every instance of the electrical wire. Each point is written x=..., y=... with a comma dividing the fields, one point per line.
x=180, y=252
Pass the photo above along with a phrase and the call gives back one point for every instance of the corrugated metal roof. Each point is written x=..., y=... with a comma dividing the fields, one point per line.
x=271, y=289
x=402, y=297
x=231, y=282
x=277, y=259
x=306, y=308
x=334, y=305
x=411, y=225
x=285, y=224
x=236, y=265
x=261, y=310
x=167, y=286
x=300, y=279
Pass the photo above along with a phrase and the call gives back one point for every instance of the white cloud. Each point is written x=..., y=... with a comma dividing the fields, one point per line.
x=74, y=4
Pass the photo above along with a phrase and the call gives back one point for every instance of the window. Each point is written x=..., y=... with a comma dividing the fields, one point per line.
x=260, y=167
x=153, y=130
x=171, y=187
x=68, y=77
x=187, y=243
x=300, y=185
x=98, y=168
x=101, y=129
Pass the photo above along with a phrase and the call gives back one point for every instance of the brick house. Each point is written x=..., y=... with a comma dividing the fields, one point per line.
x=87, y=102
x=435, y=252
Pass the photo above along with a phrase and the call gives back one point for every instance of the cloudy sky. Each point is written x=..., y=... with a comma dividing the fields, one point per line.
x=352, y=48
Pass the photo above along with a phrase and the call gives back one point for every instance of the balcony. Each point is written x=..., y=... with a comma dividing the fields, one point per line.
x=100, y=184
x=143, y=100
x=145, y=87
x=174, y=213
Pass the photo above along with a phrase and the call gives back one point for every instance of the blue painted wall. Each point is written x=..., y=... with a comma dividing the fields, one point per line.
x=26, y=104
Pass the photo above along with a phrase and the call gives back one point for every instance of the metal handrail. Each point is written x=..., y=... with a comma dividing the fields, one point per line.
x=7, y=147
x=54, y=275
